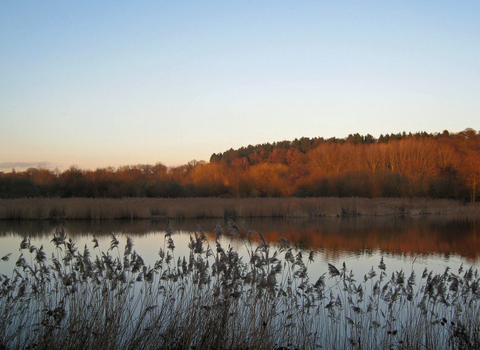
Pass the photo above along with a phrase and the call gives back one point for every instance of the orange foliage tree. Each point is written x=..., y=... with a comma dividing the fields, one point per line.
x=442, y=165
x=268, y=179
x=470, y=172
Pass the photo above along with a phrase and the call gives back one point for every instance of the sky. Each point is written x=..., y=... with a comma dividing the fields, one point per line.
x=111, y=83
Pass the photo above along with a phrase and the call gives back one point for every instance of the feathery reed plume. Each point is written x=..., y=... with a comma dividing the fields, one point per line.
x=207, y=300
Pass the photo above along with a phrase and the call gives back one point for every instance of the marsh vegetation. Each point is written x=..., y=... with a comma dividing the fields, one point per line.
x=215, y=298
x=194, y=208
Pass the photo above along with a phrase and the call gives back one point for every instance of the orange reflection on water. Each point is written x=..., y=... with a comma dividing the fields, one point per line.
x=334, y=237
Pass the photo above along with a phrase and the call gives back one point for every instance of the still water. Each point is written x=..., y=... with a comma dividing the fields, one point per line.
x=409, y=243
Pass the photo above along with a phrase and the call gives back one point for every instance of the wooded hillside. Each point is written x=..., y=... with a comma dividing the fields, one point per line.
x=440, y=165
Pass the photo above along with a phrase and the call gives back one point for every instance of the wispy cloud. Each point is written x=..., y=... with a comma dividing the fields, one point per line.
x=25, y=165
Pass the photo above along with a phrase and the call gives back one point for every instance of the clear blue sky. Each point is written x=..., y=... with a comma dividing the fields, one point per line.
x=109, y=83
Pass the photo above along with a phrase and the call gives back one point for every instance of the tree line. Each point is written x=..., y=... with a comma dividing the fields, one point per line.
x=436, y=165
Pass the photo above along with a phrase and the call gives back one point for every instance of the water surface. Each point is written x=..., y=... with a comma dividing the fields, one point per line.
x=405, y=242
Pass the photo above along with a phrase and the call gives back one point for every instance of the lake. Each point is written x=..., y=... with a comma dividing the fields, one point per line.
x=208, y=295
x=405, y=242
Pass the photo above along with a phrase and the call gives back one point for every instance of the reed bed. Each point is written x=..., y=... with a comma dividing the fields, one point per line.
x=193, y=208
x=212, y=299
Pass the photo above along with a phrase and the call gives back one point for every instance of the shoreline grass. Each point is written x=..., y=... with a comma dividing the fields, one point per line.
x=194, y=208
x=212, y=299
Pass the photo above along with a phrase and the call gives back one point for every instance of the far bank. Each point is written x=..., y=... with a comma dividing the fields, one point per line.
x=191, y=208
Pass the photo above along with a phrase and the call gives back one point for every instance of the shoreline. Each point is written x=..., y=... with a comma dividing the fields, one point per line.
x=195, y=208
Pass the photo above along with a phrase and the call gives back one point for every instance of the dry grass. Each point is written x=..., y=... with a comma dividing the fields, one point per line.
x=192, y=208
x=212, y=299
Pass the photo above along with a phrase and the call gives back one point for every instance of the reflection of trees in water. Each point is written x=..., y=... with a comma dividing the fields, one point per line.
x=333, y=236
x=399, y=236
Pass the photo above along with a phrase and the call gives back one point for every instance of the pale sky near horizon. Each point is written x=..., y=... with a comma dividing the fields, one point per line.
x=109, y=83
